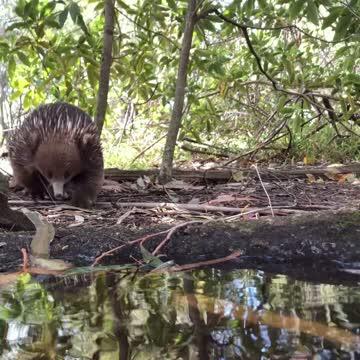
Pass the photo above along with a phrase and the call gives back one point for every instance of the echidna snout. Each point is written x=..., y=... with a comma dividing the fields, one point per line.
x=58, y=188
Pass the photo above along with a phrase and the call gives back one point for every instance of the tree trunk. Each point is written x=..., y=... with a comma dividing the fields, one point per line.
x=175, y=122
x=105, y=64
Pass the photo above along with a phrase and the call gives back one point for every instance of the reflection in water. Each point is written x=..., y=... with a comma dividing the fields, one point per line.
x=207, y=314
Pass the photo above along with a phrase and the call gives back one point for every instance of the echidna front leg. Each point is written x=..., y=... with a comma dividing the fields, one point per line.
x=32, y=181
x=85, y=188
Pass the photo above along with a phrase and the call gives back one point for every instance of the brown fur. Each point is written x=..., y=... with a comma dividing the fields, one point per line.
x=58, y=144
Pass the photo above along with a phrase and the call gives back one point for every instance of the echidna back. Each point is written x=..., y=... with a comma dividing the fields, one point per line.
x=46, y=124
x=58, y=118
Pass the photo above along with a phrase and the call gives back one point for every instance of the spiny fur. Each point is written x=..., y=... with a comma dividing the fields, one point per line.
x=58, y=123
x=52, y=121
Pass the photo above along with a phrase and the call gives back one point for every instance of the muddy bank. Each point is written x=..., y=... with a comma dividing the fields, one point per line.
x=327, y=240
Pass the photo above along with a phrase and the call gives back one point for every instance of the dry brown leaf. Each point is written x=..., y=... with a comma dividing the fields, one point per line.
x=44, y=234
x=228, y=198
x=179, y=184
x=334, y=166
x=332, y=175
x=113, y=186
x=46, y=265
x=350, y=178
x=239, y=176
x=194, y=201
x=311, y=178
x=125, y=215
x=78, y=221
x=143, y=182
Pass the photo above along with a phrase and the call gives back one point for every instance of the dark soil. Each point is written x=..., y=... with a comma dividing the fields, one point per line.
x=315, y=232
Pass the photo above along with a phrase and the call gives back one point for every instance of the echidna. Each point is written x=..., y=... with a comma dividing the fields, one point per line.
x=58, y=145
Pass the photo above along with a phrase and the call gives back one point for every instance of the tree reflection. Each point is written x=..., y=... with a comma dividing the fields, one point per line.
x=207, y=314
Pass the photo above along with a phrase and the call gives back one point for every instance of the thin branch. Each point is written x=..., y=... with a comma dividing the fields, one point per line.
x=157, y=33
x=274, y=28
x=150, y=97
x=170, y=233
x=260, y=146
x=249, y=44
x=136, y=241
x=332, y=115
x=351, y=9
x=147, y=148
x=232, y=256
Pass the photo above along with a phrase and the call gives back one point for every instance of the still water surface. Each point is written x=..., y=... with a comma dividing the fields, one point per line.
x=207, y=314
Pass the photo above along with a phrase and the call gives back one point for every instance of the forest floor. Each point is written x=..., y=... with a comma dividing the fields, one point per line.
x=295, y=224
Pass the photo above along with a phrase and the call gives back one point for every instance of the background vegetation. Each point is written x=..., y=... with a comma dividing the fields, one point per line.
x=268, y=80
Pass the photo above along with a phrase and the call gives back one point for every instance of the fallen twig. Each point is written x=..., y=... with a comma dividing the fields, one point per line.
x=171, y=232
x=125, y=215
x=139, y=240
x=164, y=205
x=25, y=257
x=232, y=256
x=263, y=186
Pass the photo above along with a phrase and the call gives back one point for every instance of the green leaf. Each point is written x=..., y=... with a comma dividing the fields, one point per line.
x=23, y=58
x=296, y=123
x=149, y=258
x=40, y=30
x=248, y=6
x=353, y=78
x=19, y=8
x=281, y=102
x=63, y=16
x=99, y=6
x=17, y=25
x=295, y=8
x=123, y=5
x=74, y=11
x=342, y=26
x=334, y=14
x=27, y=100
x=8, y=313
x=343, y=51
x=77, y=17
x=81, y=23
x=92, y=72
x=172, y=5
x=290, y=69
x=48, y=8
x=50, y=22
x=11, y=66
x=31, y=9
x=4, y=50
x=312, y=12
x=262, y=4
x=208, y=25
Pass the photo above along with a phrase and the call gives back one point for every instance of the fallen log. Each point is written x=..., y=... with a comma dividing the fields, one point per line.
x=228, y=174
